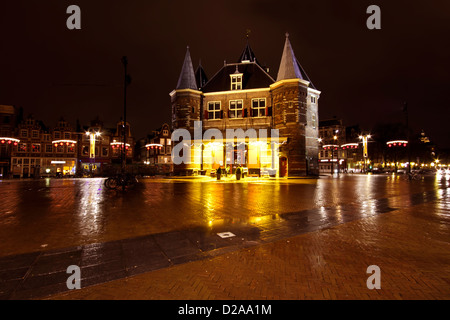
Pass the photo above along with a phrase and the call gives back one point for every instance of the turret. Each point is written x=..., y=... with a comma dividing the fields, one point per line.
x=296, y=114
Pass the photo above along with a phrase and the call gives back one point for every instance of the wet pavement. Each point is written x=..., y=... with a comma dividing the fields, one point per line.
x=48, y=225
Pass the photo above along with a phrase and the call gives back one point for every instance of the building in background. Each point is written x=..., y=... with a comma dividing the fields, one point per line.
x=340, y=147
x=156, y=150
x=102, y=149
x=243, y=95
x=8, y=123
x=44, y=152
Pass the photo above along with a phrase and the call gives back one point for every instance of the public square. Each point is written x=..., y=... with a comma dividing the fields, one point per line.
x=199, y=238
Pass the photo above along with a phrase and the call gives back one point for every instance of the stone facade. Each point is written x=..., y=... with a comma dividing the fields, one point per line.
x=244, y=96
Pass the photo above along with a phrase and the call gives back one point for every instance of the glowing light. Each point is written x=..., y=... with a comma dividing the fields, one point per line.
x=118, y=144
x=61, y=142
x=9, y=140
x=397, y=142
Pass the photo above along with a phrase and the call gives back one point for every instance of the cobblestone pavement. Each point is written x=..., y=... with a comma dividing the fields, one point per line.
x=294, y=239
x=410, y=246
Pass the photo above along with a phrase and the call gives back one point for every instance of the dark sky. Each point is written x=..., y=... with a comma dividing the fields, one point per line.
x=364, y=75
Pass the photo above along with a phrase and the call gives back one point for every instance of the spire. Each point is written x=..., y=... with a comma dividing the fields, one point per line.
x=248, y=54
x=187, y=76
x=200, y=76
x=289, y=67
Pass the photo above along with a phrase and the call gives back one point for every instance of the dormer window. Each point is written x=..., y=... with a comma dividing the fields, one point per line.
x=236, y=81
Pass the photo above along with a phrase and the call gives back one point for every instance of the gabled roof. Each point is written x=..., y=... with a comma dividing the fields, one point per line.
x=200, y=76
x=290, y=68
x=254, y=77
x=187, y=76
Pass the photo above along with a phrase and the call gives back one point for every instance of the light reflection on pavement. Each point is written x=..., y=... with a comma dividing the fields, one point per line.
x=57, y=213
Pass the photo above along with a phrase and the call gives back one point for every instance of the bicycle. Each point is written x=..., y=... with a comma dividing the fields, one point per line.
x=412, y=176
x=121, y=180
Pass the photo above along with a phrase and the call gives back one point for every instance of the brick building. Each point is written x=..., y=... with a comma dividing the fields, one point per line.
x=243, y=95
x=8, y=121
x=101, y=147
x=340, y=147
x=156, y=150
x=44, y=152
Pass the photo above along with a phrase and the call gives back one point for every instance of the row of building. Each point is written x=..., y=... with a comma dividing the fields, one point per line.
x=240, y=95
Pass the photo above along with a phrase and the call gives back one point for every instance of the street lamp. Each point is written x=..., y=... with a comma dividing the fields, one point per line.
x=364, y=139
x=335, y=147
x=92, y=138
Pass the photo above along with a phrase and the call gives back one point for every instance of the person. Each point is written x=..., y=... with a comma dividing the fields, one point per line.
x=218, y=173
x=238, y=173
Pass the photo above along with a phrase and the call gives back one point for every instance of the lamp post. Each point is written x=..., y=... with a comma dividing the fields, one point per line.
x=364, y=139
x=337, y=148
x=127, y=81
x=92, y=138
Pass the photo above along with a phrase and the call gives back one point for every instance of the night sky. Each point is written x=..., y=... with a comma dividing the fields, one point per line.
x=364, y=75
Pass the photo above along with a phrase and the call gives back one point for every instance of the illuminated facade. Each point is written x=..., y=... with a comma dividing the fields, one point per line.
x=8, y=117
x=340, y=147
x=100, y=146
x=243, y=95
x=41, y=152
x=156, y=150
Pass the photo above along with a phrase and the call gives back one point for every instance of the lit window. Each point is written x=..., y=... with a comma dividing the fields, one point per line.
x=258, y=107
x=236, y=82
x=35, y=148
x=161, y=141
x=169, y=142
x=236, y=109
x=214, y=110
x=22, y=147
x=85, y=151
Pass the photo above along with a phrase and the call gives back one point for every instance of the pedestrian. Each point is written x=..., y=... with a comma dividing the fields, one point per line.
x=238, y=173
x=218, y=173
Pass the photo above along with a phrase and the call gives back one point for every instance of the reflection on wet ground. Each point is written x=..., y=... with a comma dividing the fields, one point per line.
x=166, y=222
x=61, y=213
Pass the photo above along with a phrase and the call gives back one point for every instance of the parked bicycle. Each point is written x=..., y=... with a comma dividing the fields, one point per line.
x=121, y=180
x=412, y=176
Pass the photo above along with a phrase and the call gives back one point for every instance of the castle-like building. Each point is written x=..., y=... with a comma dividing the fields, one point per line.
x=243, y=95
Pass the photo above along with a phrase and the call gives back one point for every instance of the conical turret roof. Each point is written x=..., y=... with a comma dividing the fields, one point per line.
x=247, y=54
x=187, y=76
x=290, y=68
